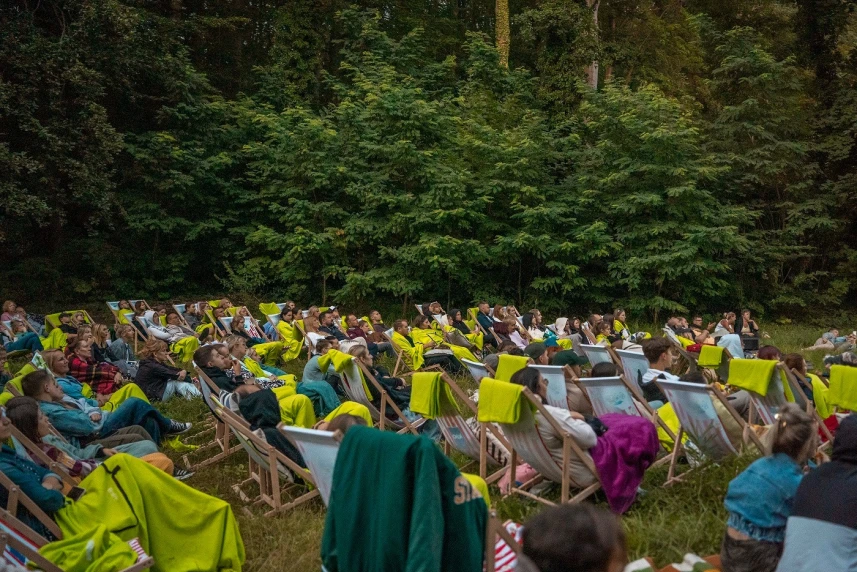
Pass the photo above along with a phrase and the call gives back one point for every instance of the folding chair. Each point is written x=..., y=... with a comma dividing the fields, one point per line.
x=597, y=354
x=806, y=404
x=16, y=496
x=20, y=544
x=460, y=436
x=557, y=395
x=35, y=451
x=693, y=405
x=679, y=347
x=523, y=435
x=355, y=376
x=220, y=439
x=618, y=395
x=765, y=401
x=182, y=309
x=485, y=333
x=477, y=370
x=634, y=366
x=53, y=320
x=319, y=449
x=267, y=465
x=310, y=346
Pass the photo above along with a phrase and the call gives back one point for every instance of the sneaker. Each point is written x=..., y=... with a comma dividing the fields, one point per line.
x=182, y=474
x=177, y=428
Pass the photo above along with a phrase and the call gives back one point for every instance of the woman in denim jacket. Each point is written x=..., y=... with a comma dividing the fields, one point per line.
x=760, y=499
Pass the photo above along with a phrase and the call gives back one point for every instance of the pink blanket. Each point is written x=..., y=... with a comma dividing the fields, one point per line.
x=622, y=455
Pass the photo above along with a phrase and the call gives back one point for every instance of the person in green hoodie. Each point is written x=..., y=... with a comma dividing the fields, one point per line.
x=433, y=519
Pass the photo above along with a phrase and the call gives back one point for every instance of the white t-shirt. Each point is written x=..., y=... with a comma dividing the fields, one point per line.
x=582, y=434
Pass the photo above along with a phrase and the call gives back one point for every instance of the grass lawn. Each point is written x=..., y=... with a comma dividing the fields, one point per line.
x=665, y=523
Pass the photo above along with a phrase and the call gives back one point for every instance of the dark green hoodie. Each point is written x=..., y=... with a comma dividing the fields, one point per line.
x=398, y=504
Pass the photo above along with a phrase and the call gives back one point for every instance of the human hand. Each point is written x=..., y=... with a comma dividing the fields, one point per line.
x=52, y=483
x=101, y=399
x=182, y=375
x=95, y=416
x=711, y=326
x=109, y=452
x=576, y=415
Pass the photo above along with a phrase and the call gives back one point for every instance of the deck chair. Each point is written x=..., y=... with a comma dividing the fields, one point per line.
x=16, y=496
x=319, y=449
x=806, y=404
x=509, y=365
x=618, y=395
x=310, y=346
x=692, y=403
x=764, y=381
x=182, y=309
x=597, y=354
x=20, y=544
x=689, y=360
x=714, y=359
x=557, y=395
x=53, y=320
x=440, y=405
x=634, y=366
x=477, y=370
x=267, y=466
x=35, y=451
x=355, y=376
x=219, y=333
x=220, y=435
x=524, y=437
x=472, y=312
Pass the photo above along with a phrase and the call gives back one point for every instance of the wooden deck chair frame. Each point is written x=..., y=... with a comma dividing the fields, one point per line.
x=87, y=319
x=599, y=350
x=304, y=440
x=494, y=528
x=360, y=396
x=758, y=408
x=568, y=447
x=17, y=496
x=748, y=434
x=310, y=346
x=791, y=378
x=221, y=435
x=683, y=353
x=256, y=323
x=485, y=334
x=482, y=436
x=219, y=333
x=7, y=324
x=181, y=314
x=265, y=461
x=400, y=362
x=148, y=335
x=27, y=551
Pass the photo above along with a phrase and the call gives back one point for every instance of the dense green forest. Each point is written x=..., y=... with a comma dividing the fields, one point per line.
x=662, y=154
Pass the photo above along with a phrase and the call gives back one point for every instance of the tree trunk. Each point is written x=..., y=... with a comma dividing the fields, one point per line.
x=592, y=69
x=502, y=31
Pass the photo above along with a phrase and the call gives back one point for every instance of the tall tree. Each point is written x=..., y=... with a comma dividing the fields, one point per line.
x=503, y=31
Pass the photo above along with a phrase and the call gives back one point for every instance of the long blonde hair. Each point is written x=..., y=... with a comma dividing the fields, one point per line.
x=153, y=347
x=794, y=433
x=50, y=356
x=100, y=334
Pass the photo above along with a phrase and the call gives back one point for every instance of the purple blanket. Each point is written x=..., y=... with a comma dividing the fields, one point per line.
x=622, y=455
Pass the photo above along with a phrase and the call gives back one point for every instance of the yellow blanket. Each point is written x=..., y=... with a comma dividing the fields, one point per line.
x=751, y=374
x=430, y=395
x=509, y=366
x=710, y=356
x=843, y=387
x=500, y=401
x=821, y=397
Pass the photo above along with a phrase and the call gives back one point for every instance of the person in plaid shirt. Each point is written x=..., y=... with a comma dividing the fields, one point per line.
x=104, y=378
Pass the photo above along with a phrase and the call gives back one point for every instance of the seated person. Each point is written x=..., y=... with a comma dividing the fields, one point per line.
x=661, y=356
x=360, y=329
x=573, y=538
x=104, y=378
x=67, y=327
x=759, y=500
x=702, y=334
x=394, y=386
x=378, y=326
x=9, y=311
x=623, y=431
x=25, y=415
x=57, y=365
x=120, y=352
x=222, y=548
x=508, y=330
x=235, y=383
x=507, y=347
x=290, y=337
x=22, y=338
x=475, y=337
x=239, y=328
x=79, y=422
x=812, y=386
x=417, y=354
x=36, y=321
x=100, y=341
x=192, y=316
x=219, y=313
x=821, y=531
x=329, y=327
x=159, y=380
x=313, y=371
x=182, y=341
x=423, y=333
x=486, y=321
x=5, y=371
x=604, y=335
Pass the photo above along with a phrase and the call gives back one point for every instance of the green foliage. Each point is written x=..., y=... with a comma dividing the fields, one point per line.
x=330, y=151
